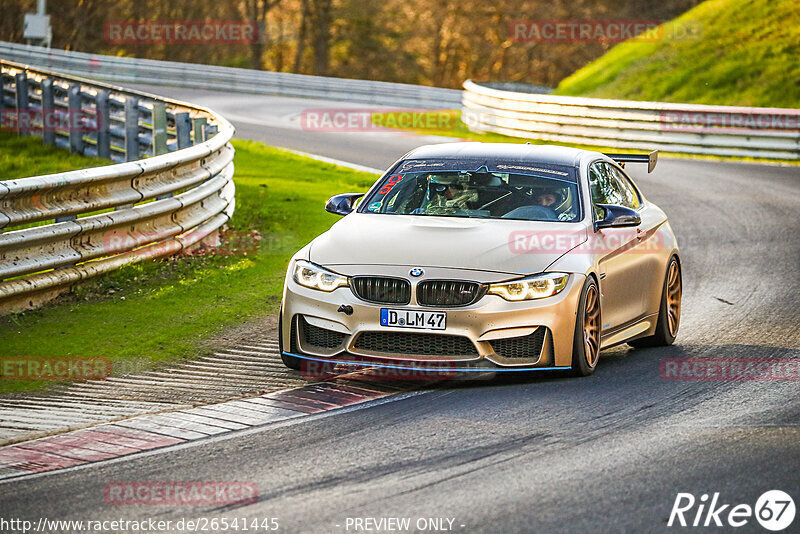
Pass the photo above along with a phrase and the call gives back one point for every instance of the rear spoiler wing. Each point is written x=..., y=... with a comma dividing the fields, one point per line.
x=651, y=159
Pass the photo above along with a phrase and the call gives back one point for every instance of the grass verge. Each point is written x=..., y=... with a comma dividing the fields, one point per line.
x=734, y=52
x=161, y=311
x=28, y=156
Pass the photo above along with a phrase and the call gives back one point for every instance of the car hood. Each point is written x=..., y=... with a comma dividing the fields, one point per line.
x=497, y=245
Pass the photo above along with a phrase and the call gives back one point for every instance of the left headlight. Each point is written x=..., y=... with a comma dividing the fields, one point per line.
x=315, y=277
x=533, y=287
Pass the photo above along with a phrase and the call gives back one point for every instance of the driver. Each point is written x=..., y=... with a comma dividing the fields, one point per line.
x=548, y=199
x=551, y=199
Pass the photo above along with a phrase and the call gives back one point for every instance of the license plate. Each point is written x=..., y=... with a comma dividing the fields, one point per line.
x=413, y=319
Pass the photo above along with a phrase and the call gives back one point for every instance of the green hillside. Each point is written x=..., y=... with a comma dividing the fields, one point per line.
x=737, y=52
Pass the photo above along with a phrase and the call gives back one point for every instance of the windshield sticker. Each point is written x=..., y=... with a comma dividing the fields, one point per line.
x=531, y=169
x=375, y=206
x=427, y=165
x=390, y=184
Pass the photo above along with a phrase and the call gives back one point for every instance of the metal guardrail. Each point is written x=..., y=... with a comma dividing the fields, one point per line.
x=679, y=128
x=191, y=75
x=102, y=218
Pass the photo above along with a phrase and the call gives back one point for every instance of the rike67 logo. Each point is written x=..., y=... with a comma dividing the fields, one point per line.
x=774, y=510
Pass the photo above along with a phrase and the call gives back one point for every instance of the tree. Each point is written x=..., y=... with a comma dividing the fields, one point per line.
x=257, y=11
x=320, y=15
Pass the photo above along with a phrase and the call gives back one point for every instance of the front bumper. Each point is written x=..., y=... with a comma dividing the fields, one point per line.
x=491, y=334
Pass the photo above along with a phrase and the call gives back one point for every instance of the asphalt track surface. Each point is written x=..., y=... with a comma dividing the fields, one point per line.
x=606, y=453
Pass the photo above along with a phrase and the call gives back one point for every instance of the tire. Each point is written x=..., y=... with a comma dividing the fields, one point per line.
x=669, y=312
x=586, y=342
x=292, y=362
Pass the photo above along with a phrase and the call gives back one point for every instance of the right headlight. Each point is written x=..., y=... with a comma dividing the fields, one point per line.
x=532, y=287
x=309, y=275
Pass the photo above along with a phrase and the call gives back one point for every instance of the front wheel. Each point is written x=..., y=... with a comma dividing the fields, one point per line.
x=669, y=313
x=586, y=344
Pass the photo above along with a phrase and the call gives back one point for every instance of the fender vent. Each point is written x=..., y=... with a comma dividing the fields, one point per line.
x=314, y=336
x=523, y=347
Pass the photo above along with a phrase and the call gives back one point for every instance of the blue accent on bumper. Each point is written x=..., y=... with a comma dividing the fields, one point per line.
x=440, y=370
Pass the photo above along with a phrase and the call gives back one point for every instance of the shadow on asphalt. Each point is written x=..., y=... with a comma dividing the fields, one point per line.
x=617, y=364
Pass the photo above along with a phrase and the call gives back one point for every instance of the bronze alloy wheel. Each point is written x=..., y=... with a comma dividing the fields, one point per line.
x=674, y=298
x=591, y=327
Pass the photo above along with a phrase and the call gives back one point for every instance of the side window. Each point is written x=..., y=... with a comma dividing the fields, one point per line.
x=629, y=195
x=604, y=187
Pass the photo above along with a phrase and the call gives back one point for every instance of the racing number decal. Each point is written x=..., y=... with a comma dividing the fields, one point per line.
x=390, y=184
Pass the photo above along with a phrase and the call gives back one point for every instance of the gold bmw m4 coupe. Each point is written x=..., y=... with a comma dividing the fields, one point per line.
x=486, y=257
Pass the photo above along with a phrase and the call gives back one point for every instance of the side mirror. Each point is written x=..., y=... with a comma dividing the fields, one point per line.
x=617, y=217
x=342, y=204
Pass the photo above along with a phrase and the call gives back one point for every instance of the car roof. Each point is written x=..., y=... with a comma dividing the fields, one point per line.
x=552, y=154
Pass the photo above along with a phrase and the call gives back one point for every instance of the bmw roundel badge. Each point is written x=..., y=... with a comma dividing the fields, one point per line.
x=416, y=272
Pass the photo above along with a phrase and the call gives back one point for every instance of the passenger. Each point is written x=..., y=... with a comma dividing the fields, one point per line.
x=447, y=191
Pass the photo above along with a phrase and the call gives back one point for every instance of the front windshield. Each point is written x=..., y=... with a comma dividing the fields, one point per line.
x=479, y=194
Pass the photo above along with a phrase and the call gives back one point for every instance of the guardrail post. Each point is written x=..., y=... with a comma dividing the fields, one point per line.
x=183, y=127
x=74, y=116
x=103, y=124
x=48, y=113
x=21, y=80
x=159, y=120
x=197, y=130
x=131, y=128
x=209, y=131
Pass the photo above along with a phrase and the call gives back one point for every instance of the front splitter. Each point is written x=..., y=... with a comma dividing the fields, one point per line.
x=432, y=367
